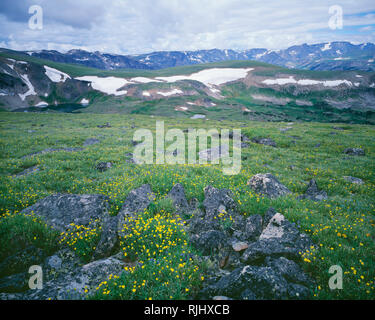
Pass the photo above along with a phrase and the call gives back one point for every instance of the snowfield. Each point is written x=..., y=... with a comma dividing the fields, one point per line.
x=31, y=90
x=143, y=80
x=56, y=75
x=209, y=77
x=306, y=82
x=170, y=93
x=108, y=85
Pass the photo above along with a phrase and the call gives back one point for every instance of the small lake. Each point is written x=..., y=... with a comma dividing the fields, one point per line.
x=65, y=107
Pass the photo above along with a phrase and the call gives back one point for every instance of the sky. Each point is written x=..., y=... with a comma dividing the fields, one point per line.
x=143, y=26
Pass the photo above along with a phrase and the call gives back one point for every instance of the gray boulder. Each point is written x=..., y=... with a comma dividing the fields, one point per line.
x=313, y=192
x=267, y=185
x=253, y=227
x=80, y=282
x=60, y=210
x=108, y=239
x=104, y=166
x=90, y=141
x=210, y=242
x=353, y=180
x=137, y=201
x=264, y=141
x=218, y=201
x=354, y=151
x=263, y=282
x=177, y=194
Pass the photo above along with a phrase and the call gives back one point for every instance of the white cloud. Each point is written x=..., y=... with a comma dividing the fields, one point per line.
x=133, y=26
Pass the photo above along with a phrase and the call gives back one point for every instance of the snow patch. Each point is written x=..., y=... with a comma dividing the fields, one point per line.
x=56, y=75
x=198, y=116
x=31, y=90
x=209, y=77
x=170, y=93
x=108, y=85
x=142, y=80
x=306, y=82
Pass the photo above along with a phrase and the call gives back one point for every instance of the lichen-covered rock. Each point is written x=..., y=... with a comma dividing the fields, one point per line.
x=313, y=192
x=210, y=242
x=108, y=239
x=60, y=210
x=218, y=201
x=289, y=270
x=90, y=141
x=104, y=166
x=177, y=194
x=353, y=180
x=264, y=141
x=264, y=283
x=268, y=185
x=253, y=227
x=354, y=151
x=79, y=283
x=137, y=201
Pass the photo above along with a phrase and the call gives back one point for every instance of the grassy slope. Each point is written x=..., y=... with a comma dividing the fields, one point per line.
x=343, y=226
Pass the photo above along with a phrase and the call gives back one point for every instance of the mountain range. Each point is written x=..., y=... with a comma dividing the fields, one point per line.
x=222, y=90
x=322, y=56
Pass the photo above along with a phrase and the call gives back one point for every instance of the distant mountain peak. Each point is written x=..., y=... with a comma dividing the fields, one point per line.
x=334, y=55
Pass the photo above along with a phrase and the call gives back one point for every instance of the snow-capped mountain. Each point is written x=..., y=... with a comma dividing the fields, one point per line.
x=322, y=56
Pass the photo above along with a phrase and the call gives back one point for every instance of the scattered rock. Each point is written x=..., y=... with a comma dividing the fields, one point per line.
x=218, y=201
x=313, y=192
x=239, y=246
x=285, y=129
x=353, y=180
x=210, y=242
x=80, y=282
x=268, y=185
x=108, y=239
x=264, y=141
x=253, y=227
x=264, y=282
x=60, y=210
x=107, y=125
x=177, y=194
x=354, y=151
x=90, y=141
x=28, y=171
x=137, y=201
x=104, y=166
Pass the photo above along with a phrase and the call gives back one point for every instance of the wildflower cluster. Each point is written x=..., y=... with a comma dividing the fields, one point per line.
x=82, y=239
x=161, y=263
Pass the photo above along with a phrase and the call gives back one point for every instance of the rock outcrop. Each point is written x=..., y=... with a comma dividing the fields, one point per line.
x=268, y=185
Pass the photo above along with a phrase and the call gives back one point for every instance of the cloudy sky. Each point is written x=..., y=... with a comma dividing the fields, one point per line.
x=142, y=26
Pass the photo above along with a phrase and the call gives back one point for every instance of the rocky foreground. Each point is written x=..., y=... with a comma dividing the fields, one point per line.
x=251, y=257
